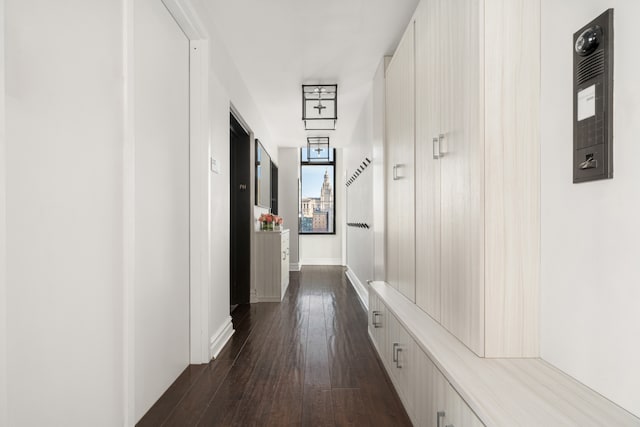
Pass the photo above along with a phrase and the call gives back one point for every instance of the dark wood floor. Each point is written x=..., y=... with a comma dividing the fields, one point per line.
x=305, y=361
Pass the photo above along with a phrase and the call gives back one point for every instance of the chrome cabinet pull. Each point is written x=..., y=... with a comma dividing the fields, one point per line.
x=398, y=365
x=374, y=317
x=395, y=172
x=439, y=415
x=436, y=148
x=395, y=353
x=440, y=139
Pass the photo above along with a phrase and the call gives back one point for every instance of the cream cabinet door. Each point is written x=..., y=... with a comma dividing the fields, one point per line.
x=427, y=164
x=437, y=404
x=284, y=252
x=401, y=364
x=461, y=167
x=457, y=413
x=377, y=321
x=400, y=167
x=405, y=367
x=429, y=389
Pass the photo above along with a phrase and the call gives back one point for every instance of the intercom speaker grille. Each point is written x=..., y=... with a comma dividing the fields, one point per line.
x=591, y=67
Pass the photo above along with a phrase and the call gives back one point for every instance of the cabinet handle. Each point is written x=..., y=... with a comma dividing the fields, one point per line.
x=436, y=150
x=374, y=318
x=439, y=416
x=395, y=352
x=398, y=365
x=440, y=139
x=395, y=172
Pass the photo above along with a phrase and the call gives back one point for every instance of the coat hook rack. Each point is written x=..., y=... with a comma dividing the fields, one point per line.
x=361, y=168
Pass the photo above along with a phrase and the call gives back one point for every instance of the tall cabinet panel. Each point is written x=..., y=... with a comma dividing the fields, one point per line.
x=512, y=177
x=400, y=167
x=428, y=74
x=461, y=180
x=477, y=170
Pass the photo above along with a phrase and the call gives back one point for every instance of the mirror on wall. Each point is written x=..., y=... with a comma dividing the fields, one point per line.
x=274, y=188
x=263, y=176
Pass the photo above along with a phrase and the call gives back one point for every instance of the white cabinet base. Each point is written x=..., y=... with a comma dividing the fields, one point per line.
x=440, y=374
x=272, y=265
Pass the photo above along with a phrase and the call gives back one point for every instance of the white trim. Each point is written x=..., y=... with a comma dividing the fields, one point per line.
x=128, y=214
x=187, y=19
x=200, y=195
x=253, y=296
x=220, y=338
x=361, y=290
x=321, y=261
x=199, y=152
x=4, y=416
x=268, y=299
x=294, y=266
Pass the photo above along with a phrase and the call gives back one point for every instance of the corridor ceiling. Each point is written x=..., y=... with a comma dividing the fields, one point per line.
x=278, y=45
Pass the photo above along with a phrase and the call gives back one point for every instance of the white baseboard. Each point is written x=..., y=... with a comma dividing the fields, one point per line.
x=268, y=299
x=361, y=290
x=220, y=338
x=321, y=261
x=294, y=266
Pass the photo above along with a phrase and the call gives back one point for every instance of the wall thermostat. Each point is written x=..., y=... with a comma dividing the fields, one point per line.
x=593, y=100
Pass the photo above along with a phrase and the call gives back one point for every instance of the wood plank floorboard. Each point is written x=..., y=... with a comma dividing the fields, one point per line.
x=305, y=361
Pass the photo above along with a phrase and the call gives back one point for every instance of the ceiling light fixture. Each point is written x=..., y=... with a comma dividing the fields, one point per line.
x=318, y=148
x=319, y=107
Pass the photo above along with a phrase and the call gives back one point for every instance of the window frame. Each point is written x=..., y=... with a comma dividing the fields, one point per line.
x=331, y=163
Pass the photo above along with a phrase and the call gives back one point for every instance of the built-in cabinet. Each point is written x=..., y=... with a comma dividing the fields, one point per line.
x=399, y=160
x=425, y=393
x=442, y=383
x=272, y=265
x=462, y=95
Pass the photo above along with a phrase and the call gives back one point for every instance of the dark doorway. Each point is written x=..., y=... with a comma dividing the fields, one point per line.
x=240, y=255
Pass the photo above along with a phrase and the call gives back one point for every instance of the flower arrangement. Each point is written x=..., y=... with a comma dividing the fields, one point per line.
x=270, y=222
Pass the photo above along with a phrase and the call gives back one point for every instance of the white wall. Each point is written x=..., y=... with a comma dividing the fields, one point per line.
x=320, y=249
x=359, y=195
x=64, y=117
x=590, y=232
x=377, y=142
x=235, y=90
x=219, y=298
x=65, y=111
x=226, y=88
x=288, y=204
x=365, y=197
x=161, y=202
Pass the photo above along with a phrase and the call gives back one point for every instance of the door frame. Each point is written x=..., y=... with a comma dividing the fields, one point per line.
x=199, y=192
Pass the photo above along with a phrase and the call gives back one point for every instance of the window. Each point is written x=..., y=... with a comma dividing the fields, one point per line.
x=317, y=195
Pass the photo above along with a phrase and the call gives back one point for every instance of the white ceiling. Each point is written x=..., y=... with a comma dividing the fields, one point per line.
x=278, y=45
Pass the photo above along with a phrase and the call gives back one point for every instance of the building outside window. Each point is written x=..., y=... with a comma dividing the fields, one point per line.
x=317, y=200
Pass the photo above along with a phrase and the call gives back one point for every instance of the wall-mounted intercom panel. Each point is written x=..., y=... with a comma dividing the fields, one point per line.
x=593, y=100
